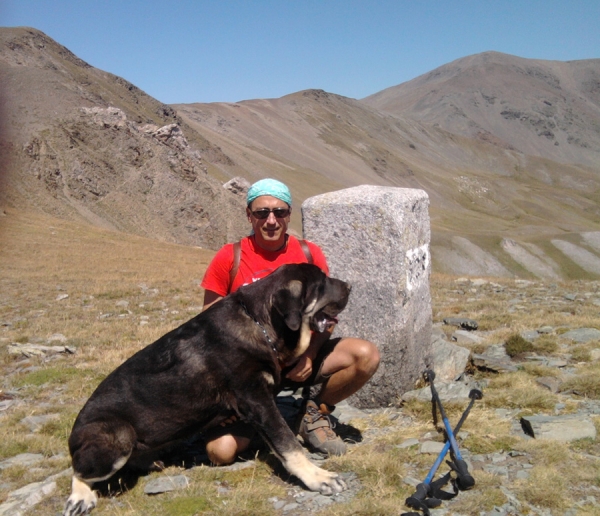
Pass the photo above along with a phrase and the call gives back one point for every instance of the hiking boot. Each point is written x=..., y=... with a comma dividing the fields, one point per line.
x=316, y=430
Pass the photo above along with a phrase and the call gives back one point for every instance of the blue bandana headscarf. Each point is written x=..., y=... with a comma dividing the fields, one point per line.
x=270, y=187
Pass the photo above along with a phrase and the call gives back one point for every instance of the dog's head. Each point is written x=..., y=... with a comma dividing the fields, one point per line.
x=307, y=299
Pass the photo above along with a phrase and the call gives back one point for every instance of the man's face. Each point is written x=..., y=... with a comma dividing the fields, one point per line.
x=271, y=230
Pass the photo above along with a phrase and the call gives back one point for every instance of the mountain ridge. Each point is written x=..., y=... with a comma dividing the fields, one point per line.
x=90, y=146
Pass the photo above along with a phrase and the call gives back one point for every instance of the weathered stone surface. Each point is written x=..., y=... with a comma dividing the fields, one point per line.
x=582, y=335
x=431, y=447
x=29, y=350
x=448, y=392
x=377, y=238
x=166, y=483
x=494, y=358
x=466, y=337
x=449, y=360
x=462, y=322
x=20, y=501
x=237, y=185
x=23, y=459
x=560, y=428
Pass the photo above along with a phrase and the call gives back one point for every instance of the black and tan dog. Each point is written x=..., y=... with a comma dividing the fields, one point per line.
x=223, y=362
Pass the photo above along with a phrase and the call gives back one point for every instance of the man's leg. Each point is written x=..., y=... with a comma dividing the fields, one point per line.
x=225, y=449
x=224, y=443
x=343, y=371
x=348, y=367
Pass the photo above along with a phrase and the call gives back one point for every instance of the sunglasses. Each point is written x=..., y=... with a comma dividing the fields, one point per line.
x=280, y=213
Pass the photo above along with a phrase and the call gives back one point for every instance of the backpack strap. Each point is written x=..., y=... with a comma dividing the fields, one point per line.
x=306, y=251
x=237, y=253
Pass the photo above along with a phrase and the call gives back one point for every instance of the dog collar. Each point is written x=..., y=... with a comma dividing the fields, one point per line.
x=261, y=327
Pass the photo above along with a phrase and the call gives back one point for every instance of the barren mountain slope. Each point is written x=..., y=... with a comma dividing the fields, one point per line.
x=479, y=191
x=541, y=108
x=87, y=145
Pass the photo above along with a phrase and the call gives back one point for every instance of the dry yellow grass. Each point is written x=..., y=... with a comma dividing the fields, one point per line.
x=44, y=258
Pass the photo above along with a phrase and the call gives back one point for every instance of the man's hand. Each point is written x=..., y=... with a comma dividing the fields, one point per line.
x=302, y=370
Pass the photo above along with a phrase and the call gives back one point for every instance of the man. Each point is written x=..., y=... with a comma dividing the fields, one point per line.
x=335, y=368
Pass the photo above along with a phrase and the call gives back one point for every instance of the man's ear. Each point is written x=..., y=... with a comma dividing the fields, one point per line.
x=288, y=302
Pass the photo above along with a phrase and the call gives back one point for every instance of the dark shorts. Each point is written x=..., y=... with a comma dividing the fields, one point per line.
x=317, y=378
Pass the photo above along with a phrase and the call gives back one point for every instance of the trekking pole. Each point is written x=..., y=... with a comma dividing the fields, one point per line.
x=432, y=490
x=464, y=480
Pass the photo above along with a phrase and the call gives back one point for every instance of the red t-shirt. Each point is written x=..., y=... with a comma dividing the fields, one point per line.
x=255, y=263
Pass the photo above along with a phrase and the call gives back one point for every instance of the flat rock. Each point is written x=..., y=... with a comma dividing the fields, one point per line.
x=466, y=337
x=23, y=459
x=29, y=350
x=35, y=423
x=565, y=428
x=453, y=391
x=550, y=383
x=494, y=358
x=431, y=447
x=461, y=322
x=582, y=335
x=166, y=483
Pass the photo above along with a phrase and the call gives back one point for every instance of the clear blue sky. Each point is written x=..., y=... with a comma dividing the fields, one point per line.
x=225, y=50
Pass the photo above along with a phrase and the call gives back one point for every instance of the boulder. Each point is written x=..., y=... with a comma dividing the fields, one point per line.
x=377, y=239
x=449, y=360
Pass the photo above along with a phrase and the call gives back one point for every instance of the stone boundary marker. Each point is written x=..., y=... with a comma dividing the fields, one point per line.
x=377, y=238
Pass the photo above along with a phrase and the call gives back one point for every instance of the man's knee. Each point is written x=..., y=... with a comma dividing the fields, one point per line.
x=367, y=356
x=223, y=450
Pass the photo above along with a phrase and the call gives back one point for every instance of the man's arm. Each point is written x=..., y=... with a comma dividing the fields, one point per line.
x=303, y=368
x=210, y=298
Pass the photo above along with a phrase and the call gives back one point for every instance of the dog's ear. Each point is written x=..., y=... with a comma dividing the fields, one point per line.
x=288, y=302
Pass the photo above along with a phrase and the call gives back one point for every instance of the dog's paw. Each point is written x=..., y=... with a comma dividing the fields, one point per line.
x=78, y=507
x=81, y=501
x=326, y=483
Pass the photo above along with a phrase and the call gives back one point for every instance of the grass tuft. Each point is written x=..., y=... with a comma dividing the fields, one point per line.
x=515, y=345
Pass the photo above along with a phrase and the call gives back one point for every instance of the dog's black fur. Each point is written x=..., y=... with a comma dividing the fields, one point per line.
x=225, y=361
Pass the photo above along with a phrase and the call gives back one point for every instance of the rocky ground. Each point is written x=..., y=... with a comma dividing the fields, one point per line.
x=473, y=320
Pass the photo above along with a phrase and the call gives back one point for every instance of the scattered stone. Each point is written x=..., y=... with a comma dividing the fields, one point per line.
x=35, y=423
x=123, y=303
x=530, y=335
x=582, y=335
x=30, y=350
x=60, y=297
x=449, y=360
x=23, y=459
x=237, y=185
x=549, y=382
x=448, y=392
x=238, y=466
x=494, y=358
x=408, y=443
x=461, y=322
x=564, y=428
x=57, y=337
x=466, y=337
x=346, y=412
x=165, y=484
x=20, y=501
x=545, y=330
x=431, y=447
